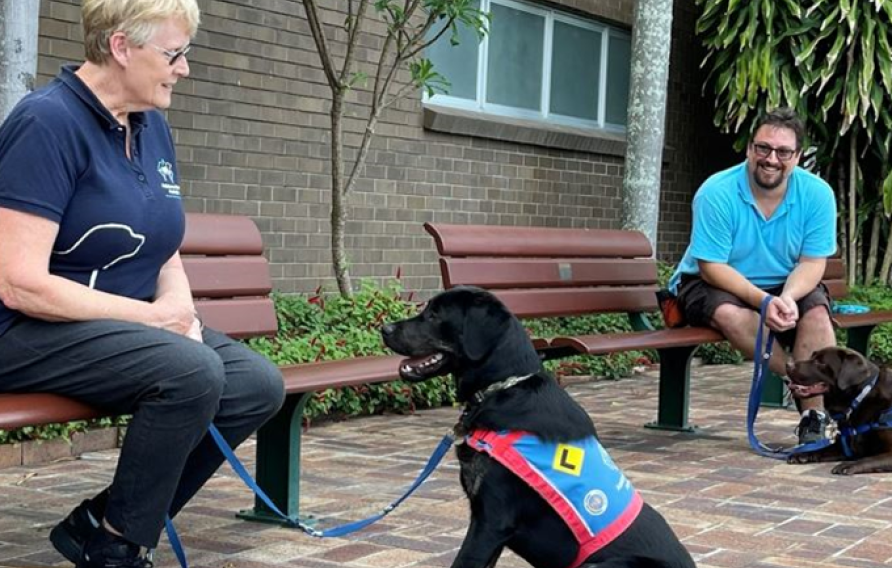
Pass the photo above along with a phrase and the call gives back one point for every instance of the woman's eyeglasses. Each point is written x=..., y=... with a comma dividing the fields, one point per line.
x=764, y=150
x=174, y=55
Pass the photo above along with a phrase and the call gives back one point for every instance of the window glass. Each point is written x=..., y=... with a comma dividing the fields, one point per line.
x=515, y=58
x=457, y=63
x=575, y=71
x=619, y=55
x=528, y=44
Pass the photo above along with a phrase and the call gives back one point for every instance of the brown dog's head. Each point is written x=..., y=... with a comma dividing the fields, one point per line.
x=836, y=372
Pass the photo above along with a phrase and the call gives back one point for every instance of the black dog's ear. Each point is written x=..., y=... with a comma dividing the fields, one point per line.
x=854, y=370
x=485, y=324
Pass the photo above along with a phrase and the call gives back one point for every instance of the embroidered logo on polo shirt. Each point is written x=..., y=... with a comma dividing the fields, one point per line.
x=168, y=182
x=165, y=168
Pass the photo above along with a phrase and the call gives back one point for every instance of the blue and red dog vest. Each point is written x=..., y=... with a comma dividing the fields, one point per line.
x=578, y=479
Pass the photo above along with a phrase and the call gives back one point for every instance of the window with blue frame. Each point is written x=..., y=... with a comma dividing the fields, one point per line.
x=537, y=63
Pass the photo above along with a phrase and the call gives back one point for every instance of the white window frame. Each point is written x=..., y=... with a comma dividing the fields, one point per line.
x=543, y=114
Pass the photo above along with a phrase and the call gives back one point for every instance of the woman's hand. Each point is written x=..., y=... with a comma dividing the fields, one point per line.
x=174, y=314
x=195, y=330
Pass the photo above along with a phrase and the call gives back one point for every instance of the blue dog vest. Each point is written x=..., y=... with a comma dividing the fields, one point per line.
x=578, y=479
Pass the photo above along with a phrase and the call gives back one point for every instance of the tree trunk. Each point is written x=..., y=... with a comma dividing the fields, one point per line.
x=339, y=198
x=852, y=259
x=651, y=40
x=886, y=269
x=18, y=51
x=873, y=253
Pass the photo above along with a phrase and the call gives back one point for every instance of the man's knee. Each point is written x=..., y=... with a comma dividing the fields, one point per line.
x=728, y=318
x=816, y=316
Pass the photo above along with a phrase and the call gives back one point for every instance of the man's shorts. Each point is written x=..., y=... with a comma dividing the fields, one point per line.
x=699, y=301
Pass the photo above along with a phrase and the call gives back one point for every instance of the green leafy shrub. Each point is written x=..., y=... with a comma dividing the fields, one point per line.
x=611, y=366
x=328, y=327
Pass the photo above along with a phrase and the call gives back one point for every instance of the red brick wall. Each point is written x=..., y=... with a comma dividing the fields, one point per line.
x=251, y=131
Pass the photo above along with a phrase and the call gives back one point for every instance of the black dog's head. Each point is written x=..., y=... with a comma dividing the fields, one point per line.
x=836, y=372
x=466, y=331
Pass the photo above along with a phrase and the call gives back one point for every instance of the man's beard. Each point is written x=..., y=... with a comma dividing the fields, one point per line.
x=768, y=184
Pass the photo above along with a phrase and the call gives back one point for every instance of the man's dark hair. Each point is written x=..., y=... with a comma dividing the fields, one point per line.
x=783, y=117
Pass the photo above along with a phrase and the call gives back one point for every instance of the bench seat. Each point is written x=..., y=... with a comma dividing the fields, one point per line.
x=604, y=343
x=321, y=375
x=18, y=410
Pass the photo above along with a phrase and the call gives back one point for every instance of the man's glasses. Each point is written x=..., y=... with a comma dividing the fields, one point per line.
x=764, y=150
x=174, y=55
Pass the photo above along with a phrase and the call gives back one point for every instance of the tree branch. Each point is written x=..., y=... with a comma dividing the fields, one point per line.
x=321, y=44
x=428, y=25
x=352, y=37
x=399, y=95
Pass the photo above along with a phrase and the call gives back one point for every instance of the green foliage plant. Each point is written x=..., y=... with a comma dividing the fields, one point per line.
x=324, y=327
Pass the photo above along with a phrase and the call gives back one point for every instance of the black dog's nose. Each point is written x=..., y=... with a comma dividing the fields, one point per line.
x=387, y=329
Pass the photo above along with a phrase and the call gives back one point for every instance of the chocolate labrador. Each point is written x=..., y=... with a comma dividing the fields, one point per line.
x=538, y=481
x=859, y=395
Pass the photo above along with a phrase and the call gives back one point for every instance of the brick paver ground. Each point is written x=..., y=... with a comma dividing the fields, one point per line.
x=731, y=507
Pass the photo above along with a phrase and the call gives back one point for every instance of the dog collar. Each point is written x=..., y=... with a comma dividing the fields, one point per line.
x=480, y=396
x=467, y=414
x=859, y=399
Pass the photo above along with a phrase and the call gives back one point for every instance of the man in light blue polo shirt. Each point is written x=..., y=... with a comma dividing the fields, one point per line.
x=764, y=227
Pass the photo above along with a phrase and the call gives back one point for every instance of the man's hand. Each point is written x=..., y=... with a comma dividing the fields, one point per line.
x=782, y=313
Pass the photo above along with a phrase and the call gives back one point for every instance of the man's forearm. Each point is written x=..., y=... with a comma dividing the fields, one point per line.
x=726, y=278
x=805, y=277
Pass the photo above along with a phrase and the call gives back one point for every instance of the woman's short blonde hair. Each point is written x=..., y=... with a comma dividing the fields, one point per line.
x=136, y=18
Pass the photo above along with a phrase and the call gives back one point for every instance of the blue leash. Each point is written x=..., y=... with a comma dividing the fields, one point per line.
x=294, y=522
x=760, y=371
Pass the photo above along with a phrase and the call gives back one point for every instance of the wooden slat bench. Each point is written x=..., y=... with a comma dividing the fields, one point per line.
x=230, y=280
x=551, y=272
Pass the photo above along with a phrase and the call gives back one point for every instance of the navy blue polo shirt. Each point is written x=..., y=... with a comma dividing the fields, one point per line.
x=62, y=157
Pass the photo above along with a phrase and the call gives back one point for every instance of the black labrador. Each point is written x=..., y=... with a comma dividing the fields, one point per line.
x=843, y=376
x=499, y=376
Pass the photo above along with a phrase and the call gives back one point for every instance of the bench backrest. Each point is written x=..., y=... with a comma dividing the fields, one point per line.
x=543, y=272
x=230, y=280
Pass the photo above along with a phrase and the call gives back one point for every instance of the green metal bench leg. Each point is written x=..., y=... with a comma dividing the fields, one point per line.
x=278, y=462
x=858, y=338
x=675, y=389
x=774, y=393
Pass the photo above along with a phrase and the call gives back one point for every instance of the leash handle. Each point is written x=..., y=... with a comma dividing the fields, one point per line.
x=761, y=359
